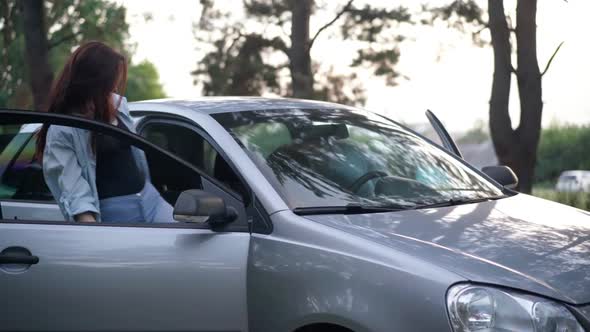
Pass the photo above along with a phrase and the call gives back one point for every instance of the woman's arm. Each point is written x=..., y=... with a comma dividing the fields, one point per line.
x=85, y=217
x=63, y=174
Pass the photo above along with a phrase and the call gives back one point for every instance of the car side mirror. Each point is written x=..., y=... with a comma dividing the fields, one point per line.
x=503, y=175
x=198, y=206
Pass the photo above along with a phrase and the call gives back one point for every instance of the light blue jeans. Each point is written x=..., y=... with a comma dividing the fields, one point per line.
x=147, y=206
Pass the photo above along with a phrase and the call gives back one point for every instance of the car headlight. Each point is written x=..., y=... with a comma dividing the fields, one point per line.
x=480, y=308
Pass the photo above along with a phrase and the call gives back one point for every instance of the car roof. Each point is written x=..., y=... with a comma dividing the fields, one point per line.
x=212, y=105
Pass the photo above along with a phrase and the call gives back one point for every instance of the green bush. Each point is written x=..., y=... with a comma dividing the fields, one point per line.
x=578, y=200
x=562, y=148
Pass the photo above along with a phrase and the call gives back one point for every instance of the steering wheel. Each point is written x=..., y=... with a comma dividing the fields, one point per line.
x=370, y=175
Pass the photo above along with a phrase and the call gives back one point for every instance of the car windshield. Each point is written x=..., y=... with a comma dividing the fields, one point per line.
x=568, y=178
x=339, y=158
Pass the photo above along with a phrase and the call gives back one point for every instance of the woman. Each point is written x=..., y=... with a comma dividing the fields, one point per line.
x=96, y=177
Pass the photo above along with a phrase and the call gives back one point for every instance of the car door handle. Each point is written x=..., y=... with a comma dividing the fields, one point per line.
x=18, y=259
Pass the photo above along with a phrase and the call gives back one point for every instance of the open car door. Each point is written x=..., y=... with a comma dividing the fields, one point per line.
x=114, y=276
x=443, y=134
x=503, y=175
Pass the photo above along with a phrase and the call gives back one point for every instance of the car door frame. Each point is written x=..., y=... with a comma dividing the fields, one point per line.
x=442, y=132
x=263, y=192
x=9, y=207
x=22, y=117
x=186, y=123
x=263, y=200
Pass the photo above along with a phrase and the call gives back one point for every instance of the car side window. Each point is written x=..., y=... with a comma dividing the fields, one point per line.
x=75, y=161
x=195, y=149
x=21, y=176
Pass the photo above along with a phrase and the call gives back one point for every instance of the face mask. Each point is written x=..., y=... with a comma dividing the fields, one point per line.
x=120, y=102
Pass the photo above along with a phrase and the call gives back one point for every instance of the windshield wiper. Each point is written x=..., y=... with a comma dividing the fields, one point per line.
x=360, y=209
x=346, y=209
x=454, y=202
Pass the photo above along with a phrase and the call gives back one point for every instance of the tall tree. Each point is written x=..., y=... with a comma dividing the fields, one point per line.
x=37, y=50
x=46, y=31
x=219, y=76
x=517, y=147
x=143, y=82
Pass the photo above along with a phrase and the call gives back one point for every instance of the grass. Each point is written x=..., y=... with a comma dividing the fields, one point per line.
x=578, y=200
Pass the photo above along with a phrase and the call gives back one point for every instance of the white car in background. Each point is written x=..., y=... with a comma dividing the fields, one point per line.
x=573, y=181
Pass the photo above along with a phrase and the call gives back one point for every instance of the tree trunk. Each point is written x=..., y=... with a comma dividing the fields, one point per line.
x=500, y=123
x=516, y=148
x=530, y=91
x=299, y=53
x=503, y=137
x=36, y=54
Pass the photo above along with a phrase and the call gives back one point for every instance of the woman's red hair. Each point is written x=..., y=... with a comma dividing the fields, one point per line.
x=85, y=86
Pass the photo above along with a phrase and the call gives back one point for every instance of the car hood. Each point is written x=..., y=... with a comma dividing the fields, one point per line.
x=520, y=242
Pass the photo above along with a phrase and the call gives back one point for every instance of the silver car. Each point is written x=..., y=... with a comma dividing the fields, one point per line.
x=291, y=216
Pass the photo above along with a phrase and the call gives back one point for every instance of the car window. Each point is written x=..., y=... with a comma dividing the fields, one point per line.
x=568, y=178
x=7, y=133
x=195, y=149
x=339, y=157
x=22, y=177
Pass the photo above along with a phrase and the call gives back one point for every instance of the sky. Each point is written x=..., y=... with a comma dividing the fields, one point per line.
x=445, y=71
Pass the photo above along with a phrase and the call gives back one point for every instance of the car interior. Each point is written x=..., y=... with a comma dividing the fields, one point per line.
x=198, y=152
x=343, y=162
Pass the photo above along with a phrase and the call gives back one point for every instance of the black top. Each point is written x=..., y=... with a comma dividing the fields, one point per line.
x=117, y=173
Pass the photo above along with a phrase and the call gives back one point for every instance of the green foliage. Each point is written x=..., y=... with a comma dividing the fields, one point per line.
x=373, y=25
x=12, y=72
x=143, y=82
x=272, y=10
x=68, y=24
x=236, y=66
x=578, y=200
x=340, y=88
x=460, y=15
x=369, y=23
x=382, y=61
x=236, y=59
x=562, y=148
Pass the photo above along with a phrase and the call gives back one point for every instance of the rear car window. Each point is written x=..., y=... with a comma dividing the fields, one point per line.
x=21, y=175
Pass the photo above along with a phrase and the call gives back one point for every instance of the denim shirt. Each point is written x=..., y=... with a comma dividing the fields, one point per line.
x=69, y=165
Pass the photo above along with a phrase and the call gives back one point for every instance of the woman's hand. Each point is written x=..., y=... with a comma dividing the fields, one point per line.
x=85, y=217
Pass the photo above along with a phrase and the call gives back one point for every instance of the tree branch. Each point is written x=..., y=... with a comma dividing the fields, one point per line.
x=513, y=70
x=486, y=26
x=551, y=59
x=327, y=25
x=280, y=45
